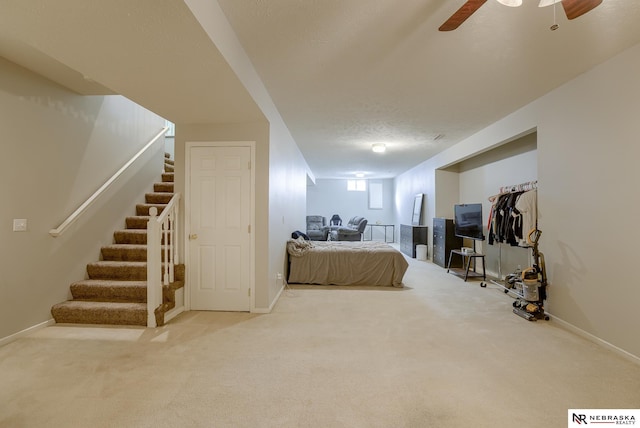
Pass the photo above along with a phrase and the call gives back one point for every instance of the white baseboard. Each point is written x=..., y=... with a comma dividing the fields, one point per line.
x=169, y=315
x=595, y=339
x=271, y=306
x=26, y=332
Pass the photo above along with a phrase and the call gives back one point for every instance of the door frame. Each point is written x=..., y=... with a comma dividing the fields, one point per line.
x=187, y=213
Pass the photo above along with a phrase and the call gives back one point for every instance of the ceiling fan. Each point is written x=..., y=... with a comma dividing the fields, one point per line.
x=572, y=8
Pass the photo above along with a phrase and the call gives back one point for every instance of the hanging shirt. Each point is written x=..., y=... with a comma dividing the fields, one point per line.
x=527, y=205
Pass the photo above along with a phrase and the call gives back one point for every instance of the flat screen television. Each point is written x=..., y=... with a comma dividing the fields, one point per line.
x=468, y=221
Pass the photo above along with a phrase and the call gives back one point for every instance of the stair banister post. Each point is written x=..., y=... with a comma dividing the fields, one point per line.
x=154, y=286
x=176, y=232
x=170, y=250
x=165, y=251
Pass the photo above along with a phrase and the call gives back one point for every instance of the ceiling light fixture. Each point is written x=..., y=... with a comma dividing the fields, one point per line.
x=572, y=8
x=511, y=3
x=379, y=148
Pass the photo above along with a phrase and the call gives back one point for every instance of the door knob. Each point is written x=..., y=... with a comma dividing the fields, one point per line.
x=193, y=236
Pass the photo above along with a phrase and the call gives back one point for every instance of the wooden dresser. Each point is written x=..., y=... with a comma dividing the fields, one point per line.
x=410, y=236
x=444, y=240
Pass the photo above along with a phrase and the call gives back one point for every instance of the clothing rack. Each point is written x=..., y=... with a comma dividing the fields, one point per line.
x=522, y=187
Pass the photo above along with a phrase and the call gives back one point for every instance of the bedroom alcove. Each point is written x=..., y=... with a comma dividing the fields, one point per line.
x=475, y=179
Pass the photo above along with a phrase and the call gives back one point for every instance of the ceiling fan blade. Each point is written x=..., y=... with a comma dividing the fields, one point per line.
x=462, y=14
x=576, y=8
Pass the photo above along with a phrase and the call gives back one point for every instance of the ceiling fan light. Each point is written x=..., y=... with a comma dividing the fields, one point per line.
x=379, y=148
x=545, y=3
x=511, y=3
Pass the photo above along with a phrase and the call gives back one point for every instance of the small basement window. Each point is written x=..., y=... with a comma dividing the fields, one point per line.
x=357, y=185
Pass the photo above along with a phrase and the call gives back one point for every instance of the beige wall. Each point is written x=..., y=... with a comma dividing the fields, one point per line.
x=283, y=168
x=255, y=132
x=512, y=163
x=330, y=196
x=588, y=152
x=280, y=194
x=586, y=156
x=287, y=201
x=420, y=179
x=58, y=148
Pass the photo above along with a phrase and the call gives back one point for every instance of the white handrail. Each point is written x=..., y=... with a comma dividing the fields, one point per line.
x=164, y=226
x=74, y=216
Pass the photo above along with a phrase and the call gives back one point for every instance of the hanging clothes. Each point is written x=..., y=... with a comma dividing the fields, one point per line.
x=506, y=222
x=512, y=217
x=509, y=216
x=527, y=206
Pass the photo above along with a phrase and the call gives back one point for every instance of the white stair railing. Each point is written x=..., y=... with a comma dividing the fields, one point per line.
x=161, y=259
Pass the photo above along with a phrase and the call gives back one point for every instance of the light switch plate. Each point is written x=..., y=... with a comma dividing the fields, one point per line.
x=19, y=224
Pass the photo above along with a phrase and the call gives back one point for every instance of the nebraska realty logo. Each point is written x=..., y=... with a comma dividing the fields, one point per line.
x=580, y=417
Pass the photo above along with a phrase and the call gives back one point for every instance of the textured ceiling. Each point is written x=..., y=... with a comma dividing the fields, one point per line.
x=348, y=73
x=344, y=74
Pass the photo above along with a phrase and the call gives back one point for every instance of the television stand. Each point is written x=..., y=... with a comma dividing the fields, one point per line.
x=467, y=256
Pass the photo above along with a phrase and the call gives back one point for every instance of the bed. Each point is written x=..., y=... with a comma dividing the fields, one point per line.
x=345, y=263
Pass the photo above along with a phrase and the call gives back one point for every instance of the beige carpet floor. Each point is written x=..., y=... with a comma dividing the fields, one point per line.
x=439, y=353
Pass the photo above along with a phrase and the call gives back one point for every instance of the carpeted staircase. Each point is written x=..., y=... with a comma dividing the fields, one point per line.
x=116, y=289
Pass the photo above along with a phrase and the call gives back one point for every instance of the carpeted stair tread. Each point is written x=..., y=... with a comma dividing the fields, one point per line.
x=163, y=187
x=124, y=252
x=116, y=291
x=137, y=222
x=133, y=236
x=110, y=291
x=127, y=252
x=113, y=313
x=143, y=209
x=168, y=167
x=118, y=270
x=169, y=161
x=178, y=273
x=158, y=197
x=130, y=236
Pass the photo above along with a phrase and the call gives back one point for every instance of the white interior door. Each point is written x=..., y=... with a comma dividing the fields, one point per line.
x=219, y=196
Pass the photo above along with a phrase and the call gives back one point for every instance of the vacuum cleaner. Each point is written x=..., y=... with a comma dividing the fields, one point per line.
x=531, y=285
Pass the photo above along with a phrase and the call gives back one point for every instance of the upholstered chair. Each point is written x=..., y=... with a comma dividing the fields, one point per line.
x=351, y=232
x=316, y=228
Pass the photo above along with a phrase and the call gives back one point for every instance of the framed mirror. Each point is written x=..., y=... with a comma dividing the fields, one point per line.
x=417, y=210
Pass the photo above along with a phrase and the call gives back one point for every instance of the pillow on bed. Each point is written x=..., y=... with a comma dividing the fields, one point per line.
x=297, y=234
